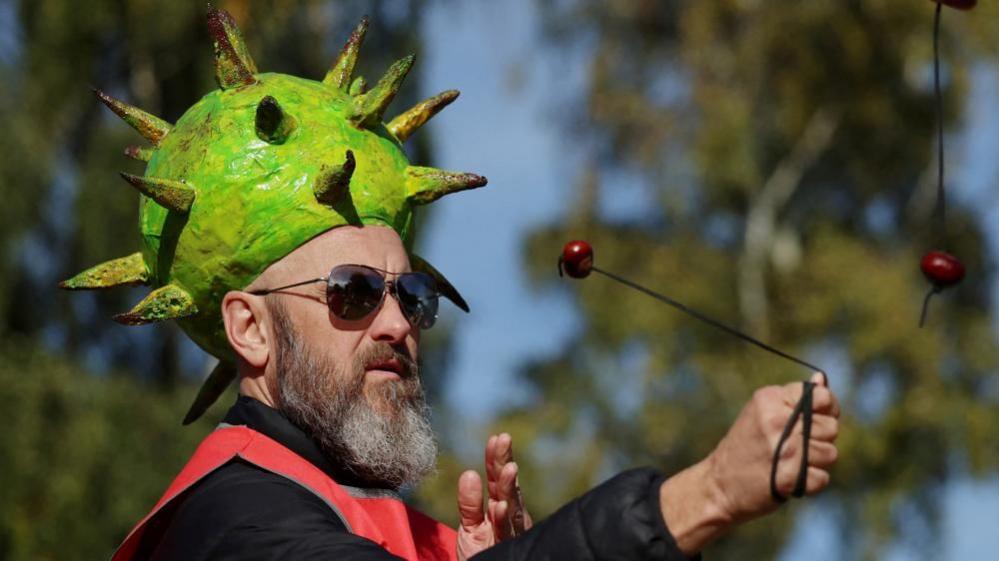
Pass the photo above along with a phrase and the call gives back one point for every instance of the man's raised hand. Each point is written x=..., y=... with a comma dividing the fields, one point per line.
x=732, y=484
x=503, y=515
x=747, y=450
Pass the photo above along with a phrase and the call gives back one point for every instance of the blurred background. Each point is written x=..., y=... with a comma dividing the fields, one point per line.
x=770, y=163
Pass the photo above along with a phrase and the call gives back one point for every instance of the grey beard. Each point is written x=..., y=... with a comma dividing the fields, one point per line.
x=384, y=439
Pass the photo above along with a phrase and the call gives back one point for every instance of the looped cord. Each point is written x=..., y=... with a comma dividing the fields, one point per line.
x=803, y=410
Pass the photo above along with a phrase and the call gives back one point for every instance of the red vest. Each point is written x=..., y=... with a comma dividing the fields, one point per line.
x=386, y=521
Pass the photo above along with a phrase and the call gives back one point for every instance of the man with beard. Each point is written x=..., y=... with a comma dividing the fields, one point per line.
x=345, y=395
x=277, y=218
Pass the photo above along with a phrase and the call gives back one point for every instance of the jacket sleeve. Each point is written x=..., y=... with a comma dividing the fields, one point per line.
x=618, y=520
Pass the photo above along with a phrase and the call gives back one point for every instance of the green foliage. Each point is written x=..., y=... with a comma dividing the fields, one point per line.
x=794, y=124
x=85, y=456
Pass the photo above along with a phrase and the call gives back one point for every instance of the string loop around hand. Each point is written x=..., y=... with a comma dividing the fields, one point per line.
x=803, y=410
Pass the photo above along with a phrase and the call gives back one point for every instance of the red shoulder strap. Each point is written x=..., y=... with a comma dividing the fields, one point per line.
x=387, y=521
x=214, y=451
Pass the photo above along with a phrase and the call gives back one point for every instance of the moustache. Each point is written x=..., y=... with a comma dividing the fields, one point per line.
x=385, y=354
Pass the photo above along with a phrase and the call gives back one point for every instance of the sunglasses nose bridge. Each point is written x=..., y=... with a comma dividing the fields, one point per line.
x=392, y=288
x=389, y=288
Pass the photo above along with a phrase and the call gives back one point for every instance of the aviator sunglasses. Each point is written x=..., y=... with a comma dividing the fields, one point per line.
x=354, y=291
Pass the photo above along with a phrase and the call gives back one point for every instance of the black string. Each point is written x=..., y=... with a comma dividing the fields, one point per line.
x=926, y=305
x=801, y=485
x=802, y=409
x=706, y=319
x=941, y=209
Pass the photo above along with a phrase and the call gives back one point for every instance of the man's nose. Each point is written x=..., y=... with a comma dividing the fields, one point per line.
x=390, y=324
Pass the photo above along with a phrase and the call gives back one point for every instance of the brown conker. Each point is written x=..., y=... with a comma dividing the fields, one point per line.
x=576, y=259
x=942, y=269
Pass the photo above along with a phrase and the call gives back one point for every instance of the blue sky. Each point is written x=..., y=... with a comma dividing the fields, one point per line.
x=505, y=134
x=503, y=127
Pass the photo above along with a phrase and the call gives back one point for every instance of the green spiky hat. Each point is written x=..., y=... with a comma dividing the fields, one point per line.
x=254, y=170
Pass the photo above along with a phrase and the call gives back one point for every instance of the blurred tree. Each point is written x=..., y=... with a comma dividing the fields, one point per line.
x=84, y=456
x=786, y=152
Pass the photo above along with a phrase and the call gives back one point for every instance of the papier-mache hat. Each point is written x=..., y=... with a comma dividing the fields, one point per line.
x=254, y=170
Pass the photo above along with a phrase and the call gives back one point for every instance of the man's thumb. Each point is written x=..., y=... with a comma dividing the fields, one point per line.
x=470, y=499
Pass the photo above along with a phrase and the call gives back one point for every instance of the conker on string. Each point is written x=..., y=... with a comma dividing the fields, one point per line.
x=576, y=259
x=942, y=269
x=959, y=4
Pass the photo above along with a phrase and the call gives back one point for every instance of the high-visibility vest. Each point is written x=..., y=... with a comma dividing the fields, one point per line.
x=383, y=519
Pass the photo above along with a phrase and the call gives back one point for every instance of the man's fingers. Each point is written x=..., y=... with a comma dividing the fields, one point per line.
x=504, y=448
x=499, y=453
x=515, y=520
x=787, y=476
x=820, y=453
x=490, y=475
x=818, y=479
x=508, y=516
x=825, y=401
x=506, y=488
x=470, y=510
x=504, y=504
x=490, y=452
x=824, y=427
x=491, y=510
x=500, y=510
x=503, y=454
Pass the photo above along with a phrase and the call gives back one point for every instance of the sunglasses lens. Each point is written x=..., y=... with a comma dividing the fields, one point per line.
x=418, y=296
x=353, y=292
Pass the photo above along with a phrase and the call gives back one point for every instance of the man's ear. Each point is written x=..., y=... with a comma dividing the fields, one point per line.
x=246, y=319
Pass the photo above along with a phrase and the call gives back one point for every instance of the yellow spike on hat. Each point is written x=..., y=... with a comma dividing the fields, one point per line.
x=151, y=127
x=164, y=303
x=370, y=107
x=124, y=271
x=343, y=68
x=222, y=375
x=425, y=185
x=173, y=195
x=407, y=123
x=234, y=67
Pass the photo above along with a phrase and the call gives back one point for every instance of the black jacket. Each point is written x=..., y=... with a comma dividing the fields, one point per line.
x=241, y=512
